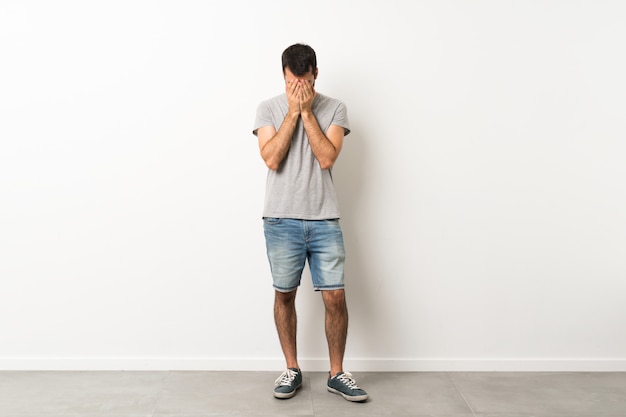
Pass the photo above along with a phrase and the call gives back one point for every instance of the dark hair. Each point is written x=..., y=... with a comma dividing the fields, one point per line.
x=300, y=59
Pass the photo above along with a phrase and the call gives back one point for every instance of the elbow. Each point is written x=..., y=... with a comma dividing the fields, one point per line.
x=327, y=163
x=327, y=160
x=271, y=164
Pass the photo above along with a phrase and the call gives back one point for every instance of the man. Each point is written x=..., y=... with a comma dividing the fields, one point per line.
x=300, y=135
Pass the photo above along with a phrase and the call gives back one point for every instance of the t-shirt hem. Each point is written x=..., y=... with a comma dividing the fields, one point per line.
x=303, y=217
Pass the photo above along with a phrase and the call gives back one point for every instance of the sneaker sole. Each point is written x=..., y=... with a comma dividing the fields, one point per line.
x=286, y=395
x=354, y=398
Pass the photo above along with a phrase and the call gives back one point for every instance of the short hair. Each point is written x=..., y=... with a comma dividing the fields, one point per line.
x=299, y=58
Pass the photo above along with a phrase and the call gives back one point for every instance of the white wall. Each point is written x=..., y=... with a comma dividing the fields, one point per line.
x=482, y=187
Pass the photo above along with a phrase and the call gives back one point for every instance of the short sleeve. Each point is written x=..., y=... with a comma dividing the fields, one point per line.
x=263, y=117
x=341, y=118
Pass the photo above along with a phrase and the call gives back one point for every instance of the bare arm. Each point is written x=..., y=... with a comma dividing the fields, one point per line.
x=325, y=145
x=275, y=145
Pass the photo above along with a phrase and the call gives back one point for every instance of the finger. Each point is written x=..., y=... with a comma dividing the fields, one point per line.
x=304, y=94
x=293, y=90
x=306, y=90
x=310, y=89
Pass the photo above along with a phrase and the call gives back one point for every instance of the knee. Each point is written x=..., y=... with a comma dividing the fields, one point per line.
x=335, y=300
x=285, y=298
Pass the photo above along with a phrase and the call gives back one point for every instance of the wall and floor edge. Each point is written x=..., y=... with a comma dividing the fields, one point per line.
x=316, y=365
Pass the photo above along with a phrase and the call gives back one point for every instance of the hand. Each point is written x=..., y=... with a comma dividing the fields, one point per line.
x=293, y=91
x=307, y=94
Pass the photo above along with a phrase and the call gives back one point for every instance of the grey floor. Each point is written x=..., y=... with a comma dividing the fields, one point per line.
x=420, y=394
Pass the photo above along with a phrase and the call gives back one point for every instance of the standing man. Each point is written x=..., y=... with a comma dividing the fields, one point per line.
x=300, y=135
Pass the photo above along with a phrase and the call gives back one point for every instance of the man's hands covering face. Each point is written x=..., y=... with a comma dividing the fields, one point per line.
x=300, y=95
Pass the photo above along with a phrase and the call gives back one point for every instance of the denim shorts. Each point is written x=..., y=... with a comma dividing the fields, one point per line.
x=291, y=242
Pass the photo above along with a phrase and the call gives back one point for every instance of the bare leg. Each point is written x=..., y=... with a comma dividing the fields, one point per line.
x=336, y=327
x=286, y=325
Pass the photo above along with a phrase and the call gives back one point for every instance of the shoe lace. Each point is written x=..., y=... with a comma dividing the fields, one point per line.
x=286, y=378
x=347, y=379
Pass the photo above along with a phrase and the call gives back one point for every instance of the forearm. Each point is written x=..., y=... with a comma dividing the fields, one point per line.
x=325, y=152
x=275, y=150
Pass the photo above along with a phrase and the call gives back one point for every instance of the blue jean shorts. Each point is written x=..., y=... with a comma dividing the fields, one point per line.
x=291, y=242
